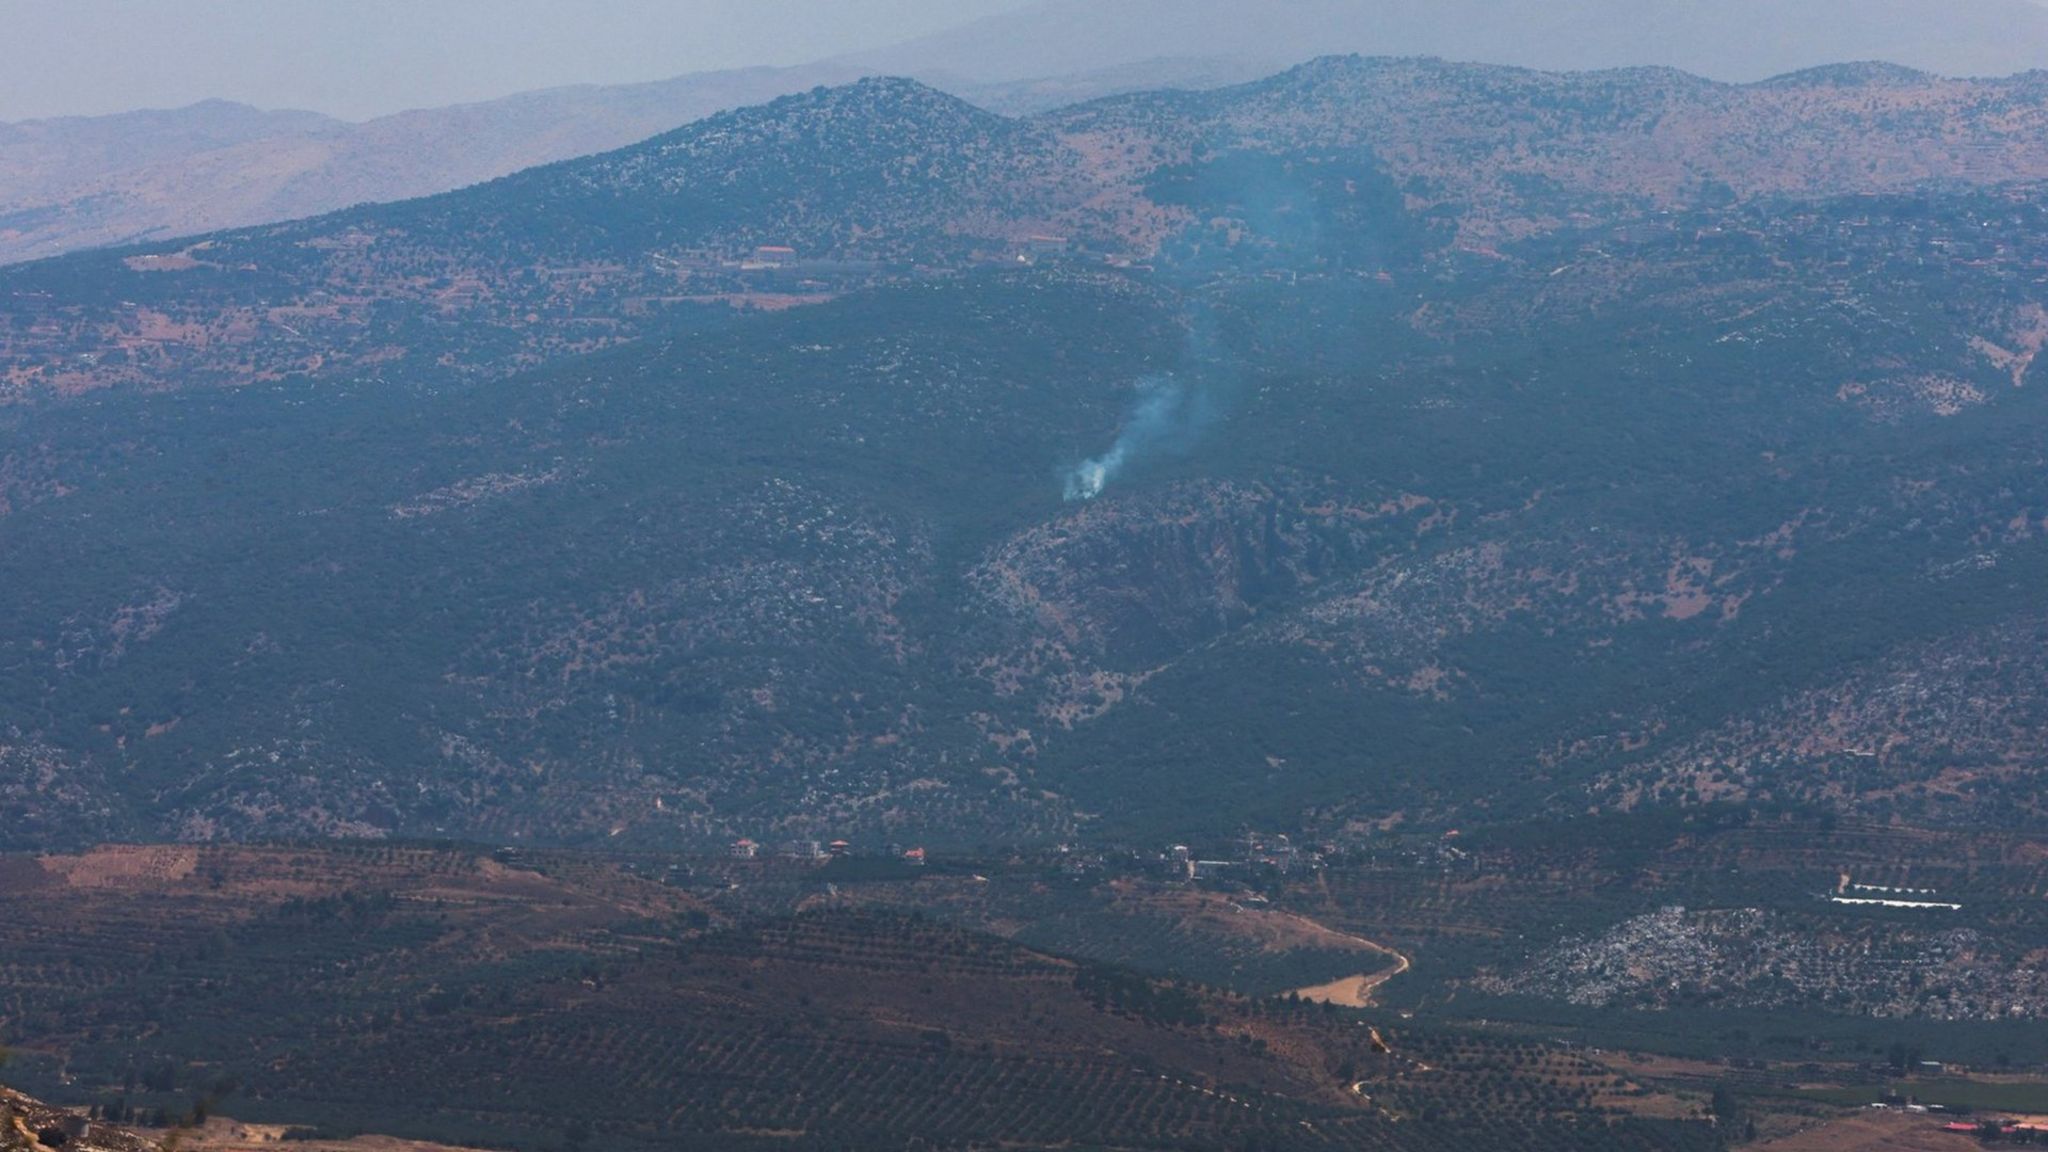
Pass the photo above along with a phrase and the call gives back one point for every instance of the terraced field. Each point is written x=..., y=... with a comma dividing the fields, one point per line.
x=569, y=1001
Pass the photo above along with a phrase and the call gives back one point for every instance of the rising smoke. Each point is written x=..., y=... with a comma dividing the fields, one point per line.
x=1280, y=208
x=1167, y=416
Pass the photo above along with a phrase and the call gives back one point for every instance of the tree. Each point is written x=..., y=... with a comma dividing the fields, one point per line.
x=1902, y=1056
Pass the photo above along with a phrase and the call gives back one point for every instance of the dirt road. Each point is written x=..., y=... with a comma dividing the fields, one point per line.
x=1353, y=991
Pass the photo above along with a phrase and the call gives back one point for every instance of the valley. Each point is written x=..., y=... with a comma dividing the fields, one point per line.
x=676, y=1000
x=1397, y=605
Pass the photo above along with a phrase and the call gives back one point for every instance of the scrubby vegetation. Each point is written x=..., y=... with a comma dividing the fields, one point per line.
x=1580, y=558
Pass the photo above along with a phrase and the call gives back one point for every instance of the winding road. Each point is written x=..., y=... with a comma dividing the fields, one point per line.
x=1352, y=991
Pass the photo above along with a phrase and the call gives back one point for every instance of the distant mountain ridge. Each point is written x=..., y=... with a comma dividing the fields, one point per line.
x=1730, y=40
x=68, y=184
x=895, y=171
x=78, y=183
x=83, y=182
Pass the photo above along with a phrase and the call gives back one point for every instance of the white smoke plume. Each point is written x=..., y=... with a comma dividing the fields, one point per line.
x=1165, y=418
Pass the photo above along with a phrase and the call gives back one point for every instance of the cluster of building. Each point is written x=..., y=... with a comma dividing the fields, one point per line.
x=1036, y=248
x=769, y=256
x=1889, y=897
x=1765, y=959
x=745, y=849
x=1255, y=852
x=1912, y=1106
x=776, y=257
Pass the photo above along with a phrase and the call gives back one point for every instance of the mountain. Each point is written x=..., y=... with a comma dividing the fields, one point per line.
x=1738, y=40
x=1022, y=96
x=885, y=174
x=86, y=182
x=68, y=184
x=46, y=155
x=1383, y=442
x=860, y=178
x=1333, y=612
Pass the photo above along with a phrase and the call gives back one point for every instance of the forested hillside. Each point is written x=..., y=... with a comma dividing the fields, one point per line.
x=1381, y=442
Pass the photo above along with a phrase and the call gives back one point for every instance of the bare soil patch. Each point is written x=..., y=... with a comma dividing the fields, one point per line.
x=1873, y=1131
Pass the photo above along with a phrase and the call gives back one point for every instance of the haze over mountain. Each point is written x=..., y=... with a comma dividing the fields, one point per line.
x=362, y=59
x=88, y=182
x=84, y=182
x=1727, y=40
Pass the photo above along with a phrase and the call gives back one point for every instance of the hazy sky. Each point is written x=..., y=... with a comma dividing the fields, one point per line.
x=361, y=58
